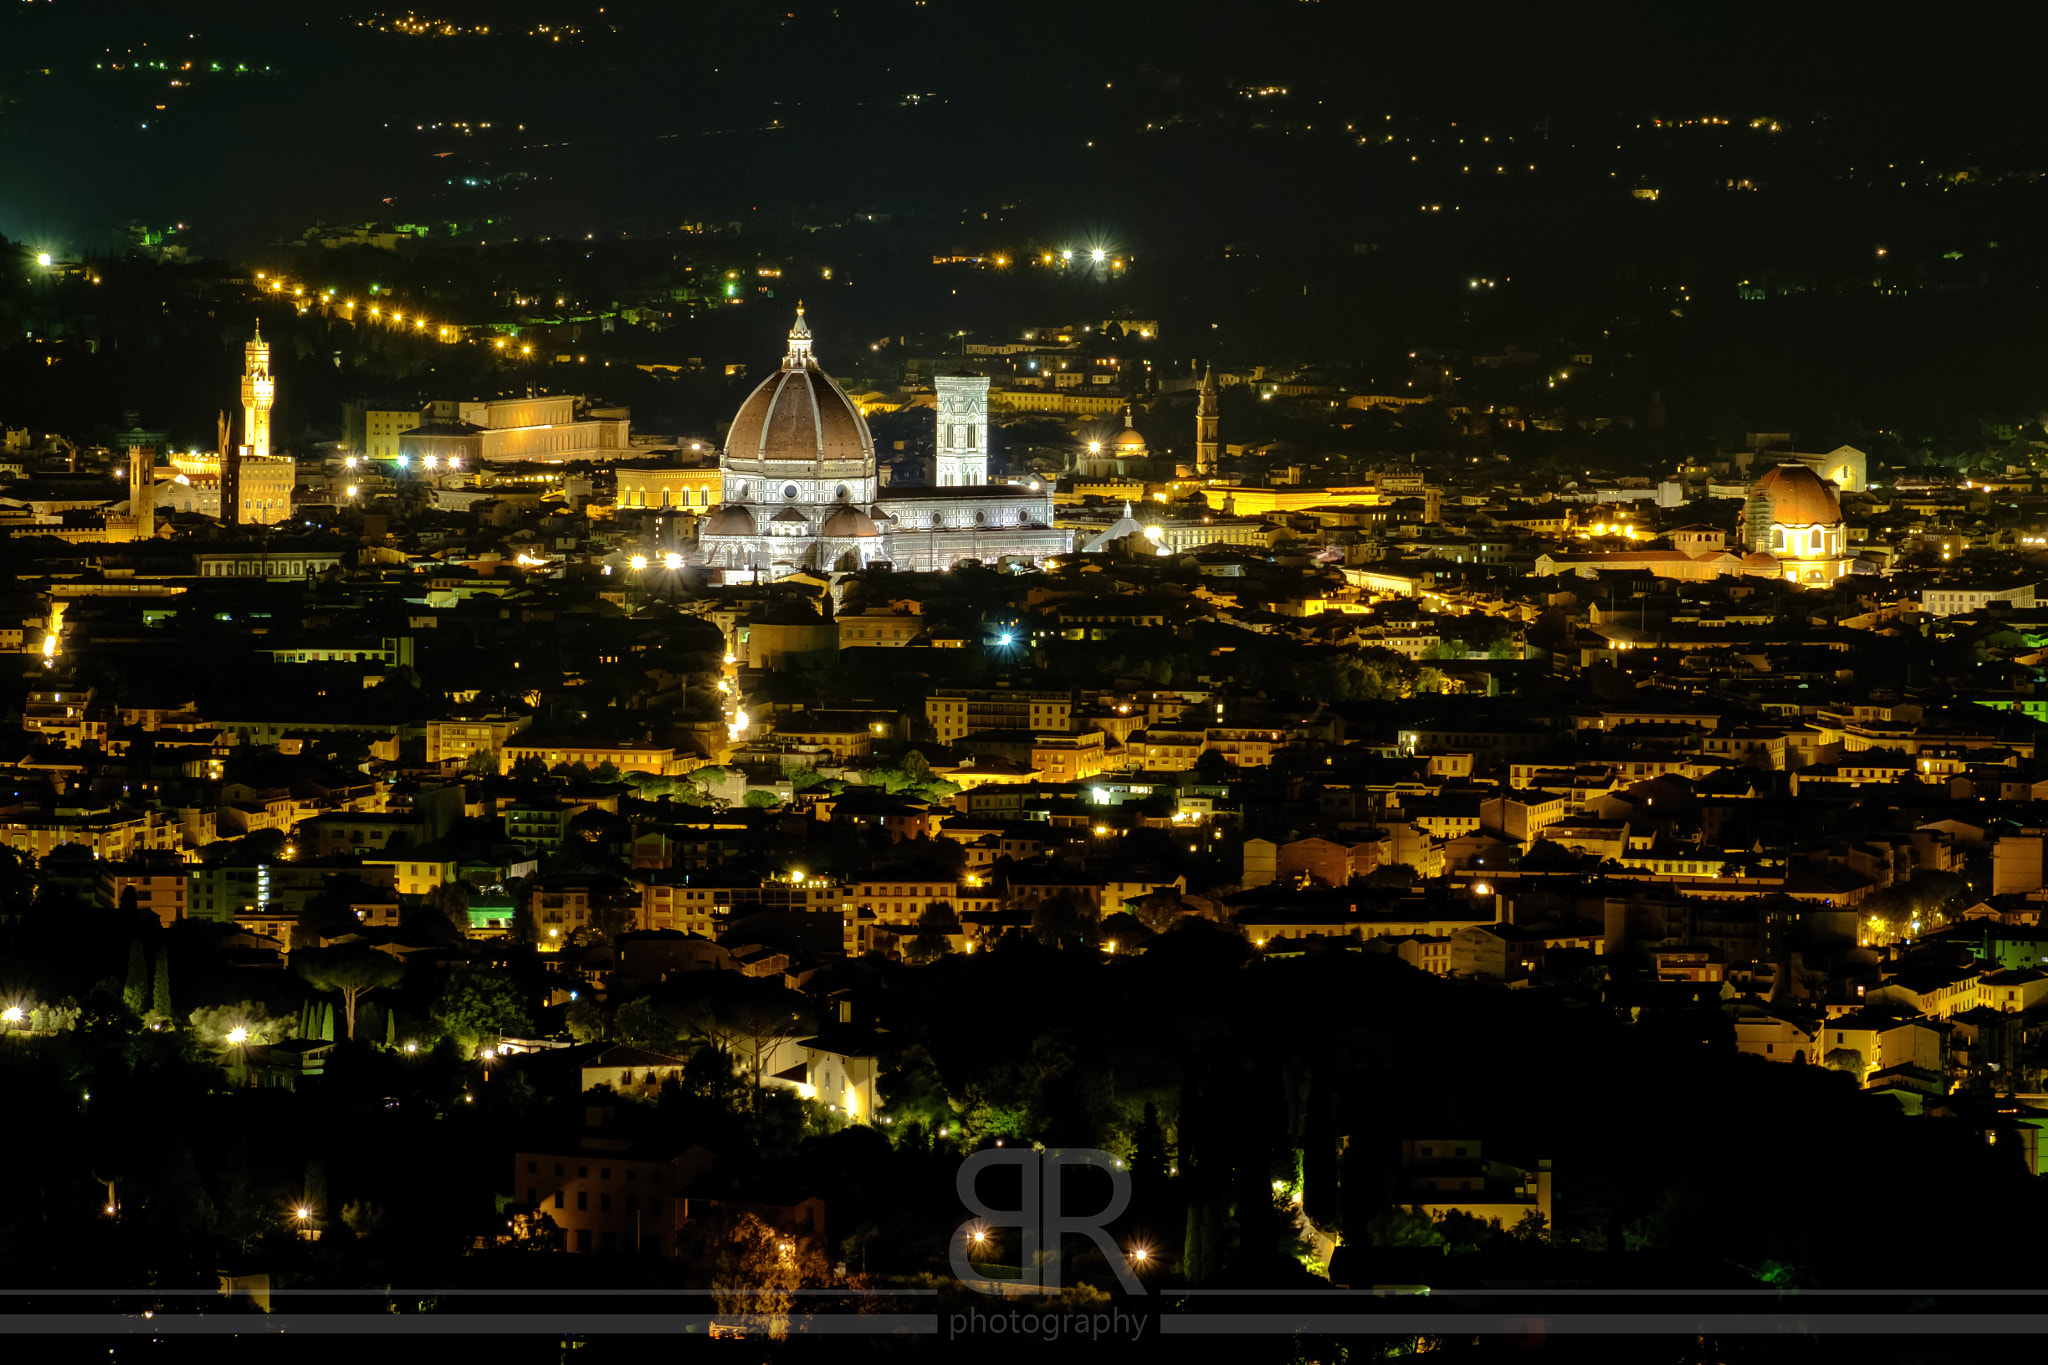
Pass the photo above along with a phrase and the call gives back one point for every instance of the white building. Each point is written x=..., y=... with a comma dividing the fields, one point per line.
x=801, y=489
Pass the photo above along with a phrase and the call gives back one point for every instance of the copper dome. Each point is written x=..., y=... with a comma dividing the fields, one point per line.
x=1797, y=497
x=798, y=414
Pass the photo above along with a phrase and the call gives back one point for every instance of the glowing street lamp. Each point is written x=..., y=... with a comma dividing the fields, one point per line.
x=671, y=561
x=12, y=1014
x=238, y=1035
x=638, y=561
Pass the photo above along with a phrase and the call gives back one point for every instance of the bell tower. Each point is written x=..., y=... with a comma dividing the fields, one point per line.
x=962, y=430
x=258, y=392
x=1205, y=426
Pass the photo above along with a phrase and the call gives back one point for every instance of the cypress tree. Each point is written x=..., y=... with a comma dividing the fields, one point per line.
x=391, y=1028
x=161, y=1001
x=316, y=1186
x=327, y=1023
x=135, y=994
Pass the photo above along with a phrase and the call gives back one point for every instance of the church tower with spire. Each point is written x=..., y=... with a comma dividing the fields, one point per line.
x=1205, y=426
x=258, y=392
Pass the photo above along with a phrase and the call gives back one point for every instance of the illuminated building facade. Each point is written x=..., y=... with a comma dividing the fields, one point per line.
x=263, y=488
x=801, y=491
x=963, y=430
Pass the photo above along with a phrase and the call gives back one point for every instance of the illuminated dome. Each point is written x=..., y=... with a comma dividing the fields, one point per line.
x=1128, y=441
x=1792, y=516
x=850, y=521
x=1796, y=497
x=798, y=415
x=729, y=520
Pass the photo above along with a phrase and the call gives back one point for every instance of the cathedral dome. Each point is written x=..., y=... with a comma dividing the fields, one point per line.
x=1797, y=497
x=850, y=521
x=1128, y=439
x=730, y=520
x=798, y=414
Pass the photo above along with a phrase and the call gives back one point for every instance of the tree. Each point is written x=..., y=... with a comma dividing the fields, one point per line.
x=933, y=940
x=160, y=1002
x=747, y=1017
x=757, y=1270
x=477, y=1003
x=761, y=800
x=362, y=1217
x=135, y=995
x=585, y=1020
x=350, y=972
x=530, y=768
x=482, y=763
x=451, y=901
x=641, y=1023
x=215, y=1024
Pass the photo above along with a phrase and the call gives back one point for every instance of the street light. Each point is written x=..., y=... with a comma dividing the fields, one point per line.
x=238, y=1034
x=12, y=1014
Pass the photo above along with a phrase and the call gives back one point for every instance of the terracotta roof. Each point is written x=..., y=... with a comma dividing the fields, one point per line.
x=730, y=520
x=1797, y=496
x=850, y=521
x=799, y=414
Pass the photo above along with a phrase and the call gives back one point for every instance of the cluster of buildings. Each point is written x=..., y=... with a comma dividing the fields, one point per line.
x=1759, y=738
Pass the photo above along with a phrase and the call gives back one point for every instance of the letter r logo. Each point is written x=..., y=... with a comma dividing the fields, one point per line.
x=1039, y=1217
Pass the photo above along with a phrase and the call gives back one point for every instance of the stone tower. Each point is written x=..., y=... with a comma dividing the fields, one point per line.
x=258, y=391
x=142, y=490
x=1205, y=427
x=963, y=431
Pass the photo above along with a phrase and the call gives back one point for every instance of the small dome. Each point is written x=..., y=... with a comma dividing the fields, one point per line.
x=1128, y=439
x=1797, y=497
x=850, y=521
x=730, y=520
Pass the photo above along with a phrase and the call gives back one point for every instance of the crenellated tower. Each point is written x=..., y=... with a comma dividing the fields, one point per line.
x=258, y=392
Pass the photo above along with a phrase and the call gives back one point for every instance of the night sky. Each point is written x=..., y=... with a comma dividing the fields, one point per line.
x=634, y=113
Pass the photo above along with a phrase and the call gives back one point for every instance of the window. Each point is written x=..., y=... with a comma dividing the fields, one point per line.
x=604, y=1203
x=532, y=1166
x=531, y=1201
x=582, y=1172
x=582, y=1201
x=583, y=1239
x=558, y=1199
x=789, y=491
x=604, y=1173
